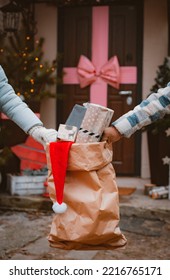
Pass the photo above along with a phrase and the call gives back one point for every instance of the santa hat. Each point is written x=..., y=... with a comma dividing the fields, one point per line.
x=59, y=152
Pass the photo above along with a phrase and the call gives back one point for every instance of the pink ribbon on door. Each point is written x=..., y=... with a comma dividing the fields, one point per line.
x=99, y=78
x=109, y=72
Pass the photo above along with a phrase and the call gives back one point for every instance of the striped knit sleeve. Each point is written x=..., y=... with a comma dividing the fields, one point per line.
x=149, y=110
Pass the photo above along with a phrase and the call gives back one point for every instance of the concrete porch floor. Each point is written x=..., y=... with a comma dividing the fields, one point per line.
x=137, y=203
x=132, y=182
x=144, y=221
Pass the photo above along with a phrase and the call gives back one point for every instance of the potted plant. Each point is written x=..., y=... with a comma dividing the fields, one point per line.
x=158, y=133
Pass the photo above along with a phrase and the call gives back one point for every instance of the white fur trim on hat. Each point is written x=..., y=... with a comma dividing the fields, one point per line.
x=59, y=208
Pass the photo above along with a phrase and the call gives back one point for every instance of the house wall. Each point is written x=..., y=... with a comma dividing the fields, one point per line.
x=155, y=48
x=46, y=17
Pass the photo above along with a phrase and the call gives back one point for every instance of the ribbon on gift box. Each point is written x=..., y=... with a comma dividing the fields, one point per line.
x=98, y=88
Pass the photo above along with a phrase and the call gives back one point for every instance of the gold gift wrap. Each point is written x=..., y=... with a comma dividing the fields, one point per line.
x=96, y=119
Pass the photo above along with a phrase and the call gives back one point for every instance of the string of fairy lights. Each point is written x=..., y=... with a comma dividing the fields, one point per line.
x=40, y=73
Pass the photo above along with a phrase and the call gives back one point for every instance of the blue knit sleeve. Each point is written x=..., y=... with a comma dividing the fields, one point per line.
x=149, y=110
x=14, y=107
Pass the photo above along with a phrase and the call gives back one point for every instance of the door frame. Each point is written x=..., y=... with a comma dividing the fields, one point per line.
x=140, y=23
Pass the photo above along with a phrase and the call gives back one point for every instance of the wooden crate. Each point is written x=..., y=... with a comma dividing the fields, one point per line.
x=26, y=185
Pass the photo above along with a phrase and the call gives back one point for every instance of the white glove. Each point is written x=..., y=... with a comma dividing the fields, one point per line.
x=43, y=135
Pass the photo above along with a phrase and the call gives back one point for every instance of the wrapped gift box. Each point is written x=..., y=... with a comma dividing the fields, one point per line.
x=76, y=116
x=96, y=119
x=67, y=132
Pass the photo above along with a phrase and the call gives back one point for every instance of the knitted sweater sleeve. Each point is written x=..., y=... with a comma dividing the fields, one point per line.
x=149, y=110
x=14, y=107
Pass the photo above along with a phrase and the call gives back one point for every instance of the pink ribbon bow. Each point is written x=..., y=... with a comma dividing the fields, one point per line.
x=110, y=72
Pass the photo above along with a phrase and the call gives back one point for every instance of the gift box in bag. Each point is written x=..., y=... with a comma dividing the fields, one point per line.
x=76, y=116
x=91, y=221
x=95, y=120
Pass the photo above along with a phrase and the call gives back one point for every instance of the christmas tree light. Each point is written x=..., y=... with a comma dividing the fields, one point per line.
x=22, y=58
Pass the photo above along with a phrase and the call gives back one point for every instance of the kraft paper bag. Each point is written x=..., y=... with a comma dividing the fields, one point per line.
x=91, y=221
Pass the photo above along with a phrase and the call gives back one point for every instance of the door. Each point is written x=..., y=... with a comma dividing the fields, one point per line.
x=75, y=38
x=122, y=41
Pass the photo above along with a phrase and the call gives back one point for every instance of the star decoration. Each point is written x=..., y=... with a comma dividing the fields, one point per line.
x=167, y=132
x=31, y=154
x=166, y=160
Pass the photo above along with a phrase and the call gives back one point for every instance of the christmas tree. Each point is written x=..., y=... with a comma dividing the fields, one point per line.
x=162, y=79
x=163, y=75
x=22, y=59
x=27, y=71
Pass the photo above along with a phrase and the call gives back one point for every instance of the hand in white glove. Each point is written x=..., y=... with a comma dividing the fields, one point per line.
x=43, y=135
